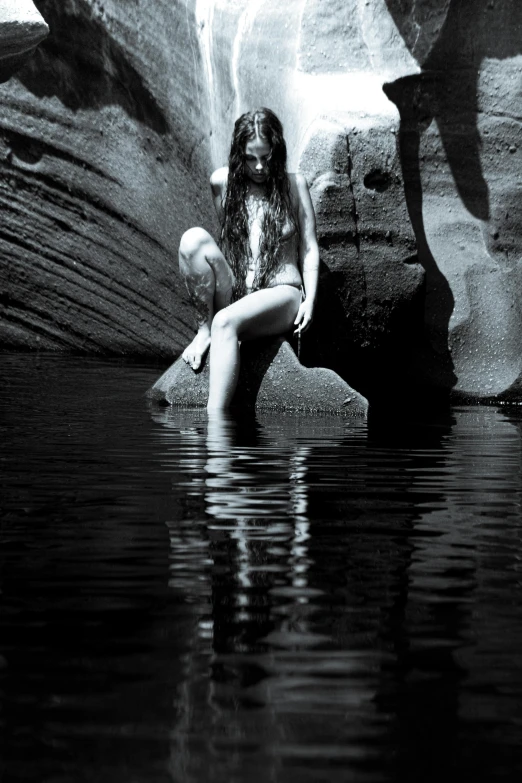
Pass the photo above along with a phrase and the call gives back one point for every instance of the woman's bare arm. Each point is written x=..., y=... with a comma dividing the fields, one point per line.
x=218, y=183
x=308, y=253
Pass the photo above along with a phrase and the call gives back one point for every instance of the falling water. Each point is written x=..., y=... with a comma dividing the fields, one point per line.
x=204, y=13
x=244, y=28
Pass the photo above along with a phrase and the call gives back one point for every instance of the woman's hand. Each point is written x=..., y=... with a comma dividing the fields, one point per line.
x=304, y=316
x=308, y=255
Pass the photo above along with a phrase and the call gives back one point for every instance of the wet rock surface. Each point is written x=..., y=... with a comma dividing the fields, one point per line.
x=271, y=378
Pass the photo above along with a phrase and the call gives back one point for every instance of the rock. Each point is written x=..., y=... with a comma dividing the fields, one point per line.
x=104, y=162
x=22, y=28
x=419, y=24
x=368, y=247
x=460, y=141
x=271, y=378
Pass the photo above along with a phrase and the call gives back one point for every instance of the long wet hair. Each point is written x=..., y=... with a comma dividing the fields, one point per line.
x=235, y=231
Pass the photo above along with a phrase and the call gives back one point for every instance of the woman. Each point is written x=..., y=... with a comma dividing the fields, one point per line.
x=252, y=287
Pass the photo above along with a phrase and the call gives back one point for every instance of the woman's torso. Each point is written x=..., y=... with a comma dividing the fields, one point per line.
x=287, y=270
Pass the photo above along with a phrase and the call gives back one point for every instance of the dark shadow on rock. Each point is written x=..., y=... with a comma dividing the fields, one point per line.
x=446, y=91
x=31, y=150
x=380, y=365
x=447, y=87
x=327, y=342
x=85, y=68
x=409, y=97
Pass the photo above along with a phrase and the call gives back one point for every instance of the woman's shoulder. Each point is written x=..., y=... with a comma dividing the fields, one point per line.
x=218, y=179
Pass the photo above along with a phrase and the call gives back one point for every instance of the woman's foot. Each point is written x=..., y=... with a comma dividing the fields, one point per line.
x=194, y=354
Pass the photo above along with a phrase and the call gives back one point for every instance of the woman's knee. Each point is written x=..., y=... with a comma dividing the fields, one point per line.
x=224, y=324
x=193, y=241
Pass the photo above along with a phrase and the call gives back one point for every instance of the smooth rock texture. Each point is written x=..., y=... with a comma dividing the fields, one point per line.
x=405, y=116
x=271, y=378
x=460, y=143
x=22, y=28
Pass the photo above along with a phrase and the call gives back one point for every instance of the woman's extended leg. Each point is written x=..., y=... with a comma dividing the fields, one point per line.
x=262, y=313
x=209, y=281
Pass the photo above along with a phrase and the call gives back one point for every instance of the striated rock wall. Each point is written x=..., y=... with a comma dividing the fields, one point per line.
x=103, y=164
x=404, y=115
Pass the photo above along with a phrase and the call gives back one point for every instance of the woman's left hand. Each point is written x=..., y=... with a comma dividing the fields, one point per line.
x=304, y=316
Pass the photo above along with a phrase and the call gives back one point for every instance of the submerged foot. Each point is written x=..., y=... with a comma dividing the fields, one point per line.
x=194, y=354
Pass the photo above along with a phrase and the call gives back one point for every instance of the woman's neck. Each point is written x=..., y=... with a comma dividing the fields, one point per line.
x=257, y=190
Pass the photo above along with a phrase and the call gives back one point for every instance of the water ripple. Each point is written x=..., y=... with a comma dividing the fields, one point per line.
x=273, y=597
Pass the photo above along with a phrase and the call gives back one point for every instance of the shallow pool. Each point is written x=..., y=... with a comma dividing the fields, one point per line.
x=278, y=598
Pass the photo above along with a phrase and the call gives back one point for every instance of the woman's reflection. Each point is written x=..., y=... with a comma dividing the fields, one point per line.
x=245, y=503
x=257, y=501
x=264, y=665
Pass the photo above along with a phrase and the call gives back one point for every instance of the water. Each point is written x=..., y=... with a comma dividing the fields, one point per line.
x=273, y=599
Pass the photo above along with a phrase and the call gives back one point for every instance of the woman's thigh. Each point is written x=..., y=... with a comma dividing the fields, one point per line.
x=263, y=313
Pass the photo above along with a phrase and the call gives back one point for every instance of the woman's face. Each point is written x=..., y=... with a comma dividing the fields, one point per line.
x=257, y=153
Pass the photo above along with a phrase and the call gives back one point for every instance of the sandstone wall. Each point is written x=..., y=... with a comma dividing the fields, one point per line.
x=461, y=153
x=104, y=162
x=404, y=115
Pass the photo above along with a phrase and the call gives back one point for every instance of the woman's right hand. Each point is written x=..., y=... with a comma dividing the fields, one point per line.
x=304, y=316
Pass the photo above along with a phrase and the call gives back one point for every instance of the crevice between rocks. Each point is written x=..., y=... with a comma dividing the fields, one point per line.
x=357, y=235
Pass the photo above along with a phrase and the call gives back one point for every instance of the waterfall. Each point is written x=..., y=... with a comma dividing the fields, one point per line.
x=244, y=27
x=204, y=14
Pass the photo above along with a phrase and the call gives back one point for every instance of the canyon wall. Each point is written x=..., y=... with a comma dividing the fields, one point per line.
x=460, y=145
x=104, y=162
x=404, y=116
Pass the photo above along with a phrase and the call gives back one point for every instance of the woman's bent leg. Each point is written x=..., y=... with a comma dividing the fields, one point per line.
x=209, y=282
x=270, y=311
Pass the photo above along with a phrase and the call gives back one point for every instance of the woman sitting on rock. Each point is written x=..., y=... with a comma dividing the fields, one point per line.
x=253, y=286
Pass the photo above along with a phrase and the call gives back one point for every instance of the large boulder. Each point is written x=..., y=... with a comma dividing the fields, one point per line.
x=22, y=28
x=271, y=378
x=372, y=286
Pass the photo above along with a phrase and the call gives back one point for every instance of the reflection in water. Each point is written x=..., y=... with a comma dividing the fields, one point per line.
x=273, y=598
x=268, y=679
x=342, y=568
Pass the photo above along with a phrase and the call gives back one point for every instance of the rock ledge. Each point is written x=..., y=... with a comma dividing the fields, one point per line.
x=271, y=378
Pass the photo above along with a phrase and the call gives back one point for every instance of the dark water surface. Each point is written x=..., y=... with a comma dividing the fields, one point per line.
x=283, y=598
